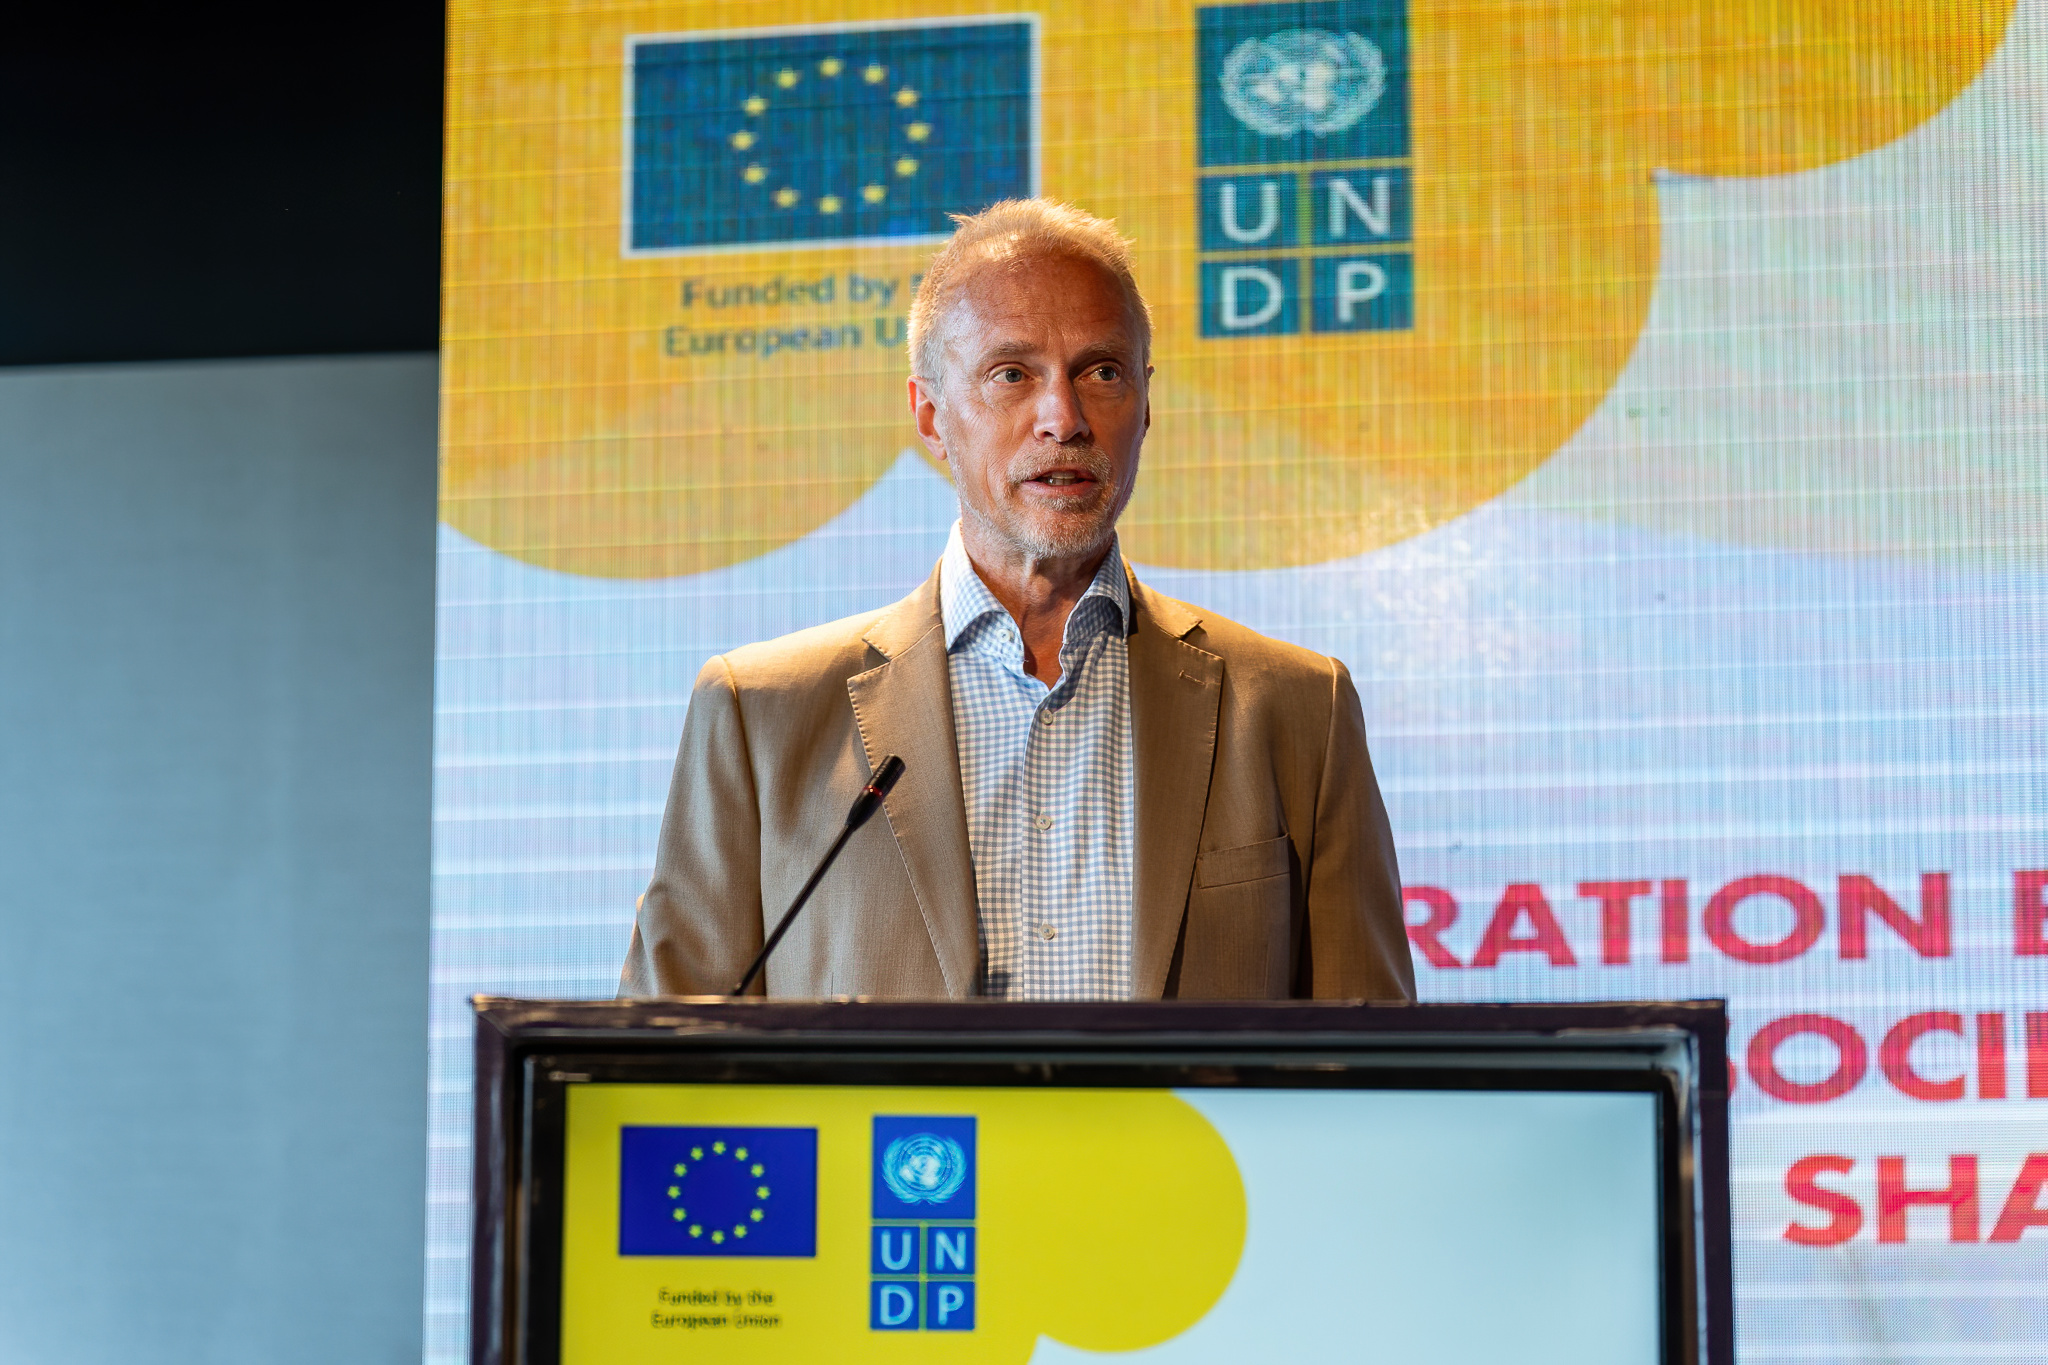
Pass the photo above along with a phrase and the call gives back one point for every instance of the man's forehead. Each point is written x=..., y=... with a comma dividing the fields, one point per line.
x=1009, y=306
x=995, y=343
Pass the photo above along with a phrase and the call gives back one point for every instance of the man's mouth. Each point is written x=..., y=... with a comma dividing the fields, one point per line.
x=1068, y=478
x=1073, y=484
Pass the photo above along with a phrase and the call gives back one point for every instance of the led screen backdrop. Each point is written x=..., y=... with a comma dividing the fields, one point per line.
x=1644, y=399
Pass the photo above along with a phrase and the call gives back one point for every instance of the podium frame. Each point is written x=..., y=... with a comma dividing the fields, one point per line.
x=1677, y=1050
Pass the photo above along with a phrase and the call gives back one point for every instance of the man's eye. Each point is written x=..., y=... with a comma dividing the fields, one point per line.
x=1107, y=374
x=1009, y=374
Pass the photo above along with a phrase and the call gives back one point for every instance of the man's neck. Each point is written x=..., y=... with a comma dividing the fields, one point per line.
x=1038, y=593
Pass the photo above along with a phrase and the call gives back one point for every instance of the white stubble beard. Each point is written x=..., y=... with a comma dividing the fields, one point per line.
x=1067, y=540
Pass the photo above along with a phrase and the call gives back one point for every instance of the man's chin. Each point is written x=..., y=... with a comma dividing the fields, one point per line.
x=1072, y=535
x=1057, y=535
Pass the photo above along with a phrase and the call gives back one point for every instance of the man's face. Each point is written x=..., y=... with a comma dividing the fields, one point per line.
x=1044, y=406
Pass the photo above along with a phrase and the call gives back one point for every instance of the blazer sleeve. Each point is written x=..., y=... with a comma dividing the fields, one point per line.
x=1357, y=942
x=699, y=922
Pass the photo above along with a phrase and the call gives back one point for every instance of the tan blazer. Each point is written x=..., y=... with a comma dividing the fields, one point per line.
x=1264, y=867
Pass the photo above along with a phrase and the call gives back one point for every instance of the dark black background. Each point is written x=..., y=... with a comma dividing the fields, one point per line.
x=181, y=181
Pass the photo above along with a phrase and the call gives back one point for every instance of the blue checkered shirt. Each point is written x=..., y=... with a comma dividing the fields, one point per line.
x=1047, y=776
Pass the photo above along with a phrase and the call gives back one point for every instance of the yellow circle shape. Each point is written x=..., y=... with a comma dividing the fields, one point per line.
x=1139, y=1259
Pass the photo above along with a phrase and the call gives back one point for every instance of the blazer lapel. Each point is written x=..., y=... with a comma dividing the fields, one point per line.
x=905, y=707
x=1176, y=692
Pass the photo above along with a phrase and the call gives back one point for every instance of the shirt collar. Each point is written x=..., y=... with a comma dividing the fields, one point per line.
x=965, y=600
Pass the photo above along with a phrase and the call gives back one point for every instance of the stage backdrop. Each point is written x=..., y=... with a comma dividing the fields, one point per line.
x=1645, y=399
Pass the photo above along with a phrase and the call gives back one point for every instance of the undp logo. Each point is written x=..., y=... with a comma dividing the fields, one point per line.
x=1307, y=223
x=922, y=1247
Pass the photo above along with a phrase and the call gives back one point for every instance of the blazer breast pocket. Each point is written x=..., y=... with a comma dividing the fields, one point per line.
x=1239, y=931
x=1245, y=863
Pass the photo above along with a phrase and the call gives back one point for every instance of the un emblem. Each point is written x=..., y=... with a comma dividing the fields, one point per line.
x=924, y=1168
x=1303, y=80
x=1290, y=83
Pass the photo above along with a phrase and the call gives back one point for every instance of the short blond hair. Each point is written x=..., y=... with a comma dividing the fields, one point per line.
x=1009, y=231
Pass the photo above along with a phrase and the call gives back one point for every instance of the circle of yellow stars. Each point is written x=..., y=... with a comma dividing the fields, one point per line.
x=718, y=1235
x=786, y=196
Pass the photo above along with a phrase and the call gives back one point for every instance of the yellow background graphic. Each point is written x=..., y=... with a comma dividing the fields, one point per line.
x=573, y=441
x=1108, y=1220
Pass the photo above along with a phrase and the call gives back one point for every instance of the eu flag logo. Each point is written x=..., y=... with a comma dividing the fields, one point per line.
x=718, y=1191
x=817, y=136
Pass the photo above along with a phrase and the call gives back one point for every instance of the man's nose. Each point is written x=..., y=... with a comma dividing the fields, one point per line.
x=1059, y=413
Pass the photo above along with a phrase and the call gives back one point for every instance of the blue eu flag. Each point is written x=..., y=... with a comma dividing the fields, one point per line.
x=718, y=1191
x=803, y=136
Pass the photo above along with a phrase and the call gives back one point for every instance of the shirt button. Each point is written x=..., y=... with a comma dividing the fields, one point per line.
x=1048, y=932
x=1045, y=717
x=1043, y=822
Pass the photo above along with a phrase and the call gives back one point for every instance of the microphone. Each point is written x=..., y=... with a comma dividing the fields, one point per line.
x=863, y=806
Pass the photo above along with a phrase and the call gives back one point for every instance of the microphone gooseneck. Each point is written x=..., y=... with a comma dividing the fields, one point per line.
x=864, y=805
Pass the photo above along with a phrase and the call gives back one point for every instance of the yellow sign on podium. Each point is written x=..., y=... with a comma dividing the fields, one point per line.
x=808, y=1223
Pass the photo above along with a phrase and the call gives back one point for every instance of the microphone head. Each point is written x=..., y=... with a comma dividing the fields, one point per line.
x=871, y=795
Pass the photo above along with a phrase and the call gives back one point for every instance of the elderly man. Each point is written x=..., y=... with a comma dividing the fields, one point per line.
x=1107, y=794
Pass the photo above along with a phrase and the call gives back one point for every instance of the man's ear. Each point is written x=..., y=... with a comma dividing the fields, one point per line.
x=924, y=410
